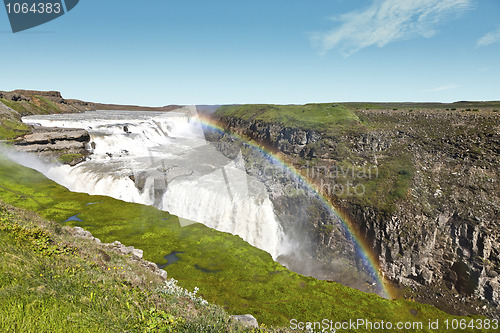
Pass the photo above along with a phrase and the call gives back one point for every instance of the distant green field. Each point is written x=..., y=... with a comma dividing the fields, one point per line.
x=307, y=117
x=421, y=105
x=228, y=271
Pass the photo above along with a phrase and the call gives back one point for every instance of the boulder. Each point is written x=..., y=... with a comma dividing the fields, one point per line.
x=247, y=320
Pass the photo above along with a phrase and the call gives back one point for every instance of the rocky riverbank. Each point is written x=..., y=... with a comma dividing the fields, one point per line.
x=68, y=145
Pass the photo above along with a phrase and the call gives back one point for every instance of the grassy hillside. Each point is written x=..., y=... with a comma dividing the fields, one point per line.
x=11, y=128
x=51, y=281
x=11, y=111
x=227, y=271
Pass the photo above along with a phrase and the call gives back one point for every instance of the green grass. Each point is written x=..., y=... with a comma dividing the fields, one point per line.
x=246, y=280
x=46, y=105
x=11, y=129
x=37, y=105
x=67, y=158
x=51, y=281
x=11, y=125
x=16, y=106
x=306, y=117
x=389, y=181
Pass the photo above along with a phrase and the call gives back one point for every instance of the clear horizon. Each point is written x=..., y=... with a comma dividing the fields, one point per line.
x=282, y=52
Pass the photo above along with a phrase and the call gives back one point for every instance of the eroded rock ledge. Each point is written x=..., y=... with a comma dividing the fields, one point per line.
x=67, y=144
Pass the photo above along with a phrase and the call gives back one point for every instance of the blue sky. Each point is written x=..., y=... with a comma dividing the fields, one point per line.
x=161, y=52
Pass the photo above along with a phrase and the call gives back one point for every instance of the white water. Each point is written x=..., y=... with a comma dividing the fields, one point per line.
x=162, y=159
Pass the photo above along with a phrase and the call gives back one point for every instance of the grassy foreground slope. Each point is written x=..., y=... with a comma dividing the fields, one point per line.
x=52, y=281
x=228, y=271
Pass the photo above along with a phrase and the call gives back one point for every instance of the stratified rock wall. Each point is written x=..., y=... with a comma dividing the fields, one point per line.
x=442, y=228
x=53, y=141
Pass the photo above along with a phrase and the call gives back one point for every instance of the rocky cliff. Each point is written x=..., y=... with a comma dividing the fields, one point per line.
x=421, y=183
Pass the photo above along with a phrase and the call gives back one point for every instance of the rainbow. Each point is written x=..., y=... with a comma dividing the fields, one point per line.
x=363, y=248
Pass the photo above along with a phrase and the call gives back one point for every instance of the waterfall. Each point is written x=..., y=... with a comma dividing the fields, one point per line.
x=235, y=207
x=162, y=159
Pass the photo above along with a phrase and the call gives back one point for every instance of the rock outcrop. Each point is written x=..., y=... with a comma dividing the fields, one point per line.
x=291, y=141
x=66, y=143
x=247, y=320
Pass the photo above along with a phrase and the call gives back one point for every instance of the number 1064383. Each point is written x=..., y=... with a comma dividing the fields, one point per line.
x=35, y=8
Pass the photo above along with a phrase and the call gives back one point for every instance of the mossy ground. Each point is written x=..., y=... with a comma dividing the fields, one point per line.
x=244, y=279
x=68, y=158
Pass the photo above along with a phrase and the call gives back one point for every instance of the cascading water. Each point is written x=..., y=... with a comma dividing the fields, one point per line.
x=233, y=208
x=162, y=159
